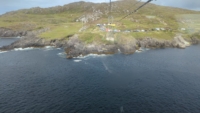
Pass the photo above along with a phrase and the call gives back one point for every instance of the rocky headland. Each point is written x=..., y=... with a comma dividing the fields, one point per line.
x=5, y=32
x=74, y=47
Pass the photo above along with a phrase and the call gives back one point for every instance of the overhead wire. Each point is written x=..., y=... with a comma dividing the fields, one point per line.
x=136, y=9
x=134, y=4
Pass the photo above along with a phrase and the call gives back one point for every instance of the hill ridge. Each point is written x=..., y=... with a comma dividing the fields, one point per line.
x=84, y=16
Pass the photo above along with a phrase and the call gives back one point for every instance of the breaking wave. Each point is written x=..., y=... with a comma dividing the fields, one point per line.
x=24, y=49
x=62, y=55
x=91, y=56
x=3, y=52
x=77, y=60
x=47, y=48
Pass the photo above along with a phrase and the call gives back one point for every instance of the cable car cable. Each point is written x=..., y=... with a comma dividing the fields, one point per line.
x=136, y=9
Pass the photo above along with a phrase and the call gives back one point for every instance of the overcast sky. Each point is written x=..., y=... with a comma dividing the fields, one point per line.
x=10, y=5
x=188, y=4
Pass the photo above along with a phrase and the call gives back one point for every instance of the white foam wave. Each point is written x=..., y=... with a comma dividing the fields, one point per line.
x=18, y=37
x=30, y=48
x=47, y=48
x=138, y=51
x=3, y=52
x=119, y=51
x=142, y=49
x=91, y=55
x=63, y=54
x=23, y=49
x=77, y=60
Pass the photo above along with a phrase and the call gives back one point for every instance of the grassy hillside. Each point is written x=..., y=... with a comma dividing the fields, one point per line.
x=81, y=18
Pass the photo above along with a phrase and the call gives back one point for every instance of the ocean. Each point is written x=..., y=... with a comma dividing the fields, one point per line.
x=42, y=80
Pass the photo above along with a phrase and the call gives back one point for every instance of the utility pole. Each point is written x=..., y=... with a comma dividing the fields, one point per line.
x=110, y=7
x=110, y=18
x=110, y=22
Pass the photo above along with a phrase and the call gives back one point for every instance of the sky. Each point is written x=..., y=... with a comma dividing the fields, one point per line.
x=186, y=4
x=11, y=5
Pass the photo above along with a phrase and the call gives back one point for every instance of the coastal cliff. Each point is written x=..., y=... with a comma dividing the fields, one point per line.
x=74, y=47
x=5, y=32
x=82, y=28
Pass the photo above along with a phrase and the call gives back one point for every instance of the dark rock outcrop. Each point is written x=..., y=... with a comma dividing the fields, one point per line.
x=33, y=41
x=5, y=32
x=153, y=43
x=128, y=47
x=75, y=47
x=29, y=41
x=177, y=42
x=195, y=40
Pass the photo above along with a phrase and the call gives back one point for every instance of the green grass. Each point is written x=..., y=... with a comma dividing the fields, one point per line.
x=196, y=35
x=189, y=21
x=154, y=34
x=61, y=21
x=21, y=21
x=89, y=38
x=62, y=31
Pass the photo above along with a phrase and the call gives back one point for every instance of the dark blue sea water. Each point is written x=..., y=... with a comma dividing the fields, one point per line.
x=153, y=81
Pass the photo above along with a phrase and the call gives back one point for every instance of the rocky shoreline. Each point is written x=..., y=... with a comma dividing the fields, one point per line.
x=75, y=47
x=5, y=32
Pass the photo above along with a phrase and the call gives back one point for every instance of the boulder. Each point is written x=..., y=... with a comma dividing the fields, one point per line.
x=128, y=45
x=180, y=42
x=195, y=40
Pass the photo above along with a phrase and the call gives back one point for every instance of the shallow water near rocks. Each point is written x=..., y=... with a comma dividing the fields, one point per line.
x=160, y=80
x=7, y=41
